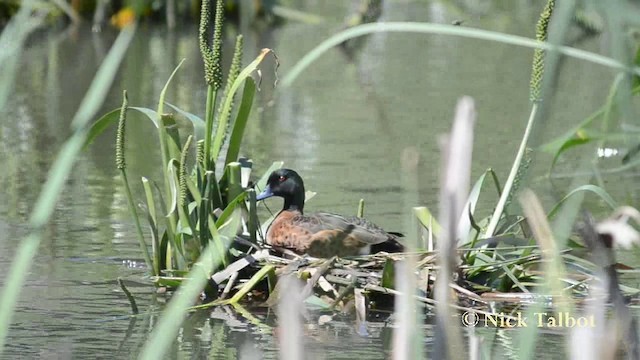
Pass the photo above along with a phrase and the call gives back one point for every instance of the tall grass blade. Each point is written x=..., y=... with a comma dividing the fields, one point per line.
x=451, y=30
x=57, y=176
x=12, y=40
x=600, y=192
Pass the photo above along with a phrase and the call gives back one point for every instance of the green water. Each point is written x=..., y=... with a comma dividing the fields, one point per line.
x=343, y=126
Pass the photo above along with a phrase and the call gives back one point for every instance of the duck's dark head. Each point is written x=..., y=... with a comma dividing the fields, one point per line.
x=288, y=185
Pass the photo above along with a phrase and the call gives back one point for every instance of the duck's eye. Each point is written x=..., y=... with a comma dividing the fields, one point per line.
x=282, y=178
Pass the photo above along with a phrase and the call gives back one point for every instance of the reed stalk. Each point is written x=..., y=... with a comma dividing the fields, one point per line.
x=122, y=166
x=534, y=90
x=212, y=57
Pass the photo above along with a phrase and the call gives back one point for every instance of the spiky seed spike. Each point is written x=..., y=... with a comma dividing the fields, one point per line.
x=120, y=162
x=522, y=171
x=236, y=62
x=200, y=152
x=205, y=47
x=183, y=170
x=234, y=71
x=216, y=51
x=539, y=54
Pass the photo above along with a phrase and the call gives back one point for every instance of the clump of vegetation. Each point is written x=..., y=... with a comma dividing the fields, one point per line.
x=196, y=205
x=204, y=201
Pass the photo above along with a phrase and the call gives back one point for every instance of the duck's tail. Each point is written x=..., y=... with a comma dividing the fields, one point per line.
x=391, y=246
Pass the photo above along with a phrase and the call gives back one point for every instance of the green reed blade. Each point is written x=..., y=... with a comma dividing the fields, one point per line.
x=443, y=29
x=427, y=219
x=240, y=123
x=163, y=93
x=234, y=183
x=360, y=212
x=216, y=147
x=230, y=209
x=150, y=114
x=600, y=192
x=254, y=223
x=100, y=125
x=464, y=224
x=58, y=175
x=197, y=122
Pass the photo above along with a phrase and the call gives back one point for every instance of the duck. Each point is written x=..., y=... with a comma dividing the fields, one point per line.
x=321, y=234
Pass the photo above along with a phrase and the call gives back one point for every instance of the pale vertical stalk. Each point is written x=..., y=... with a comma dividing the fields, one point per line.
x=408, y=336
x=289, y=322
x=456, y=153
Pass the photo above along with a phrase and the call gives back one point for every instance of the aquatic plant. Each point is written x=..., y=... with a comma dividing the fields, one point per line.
x=22, y=24
x=202, y=206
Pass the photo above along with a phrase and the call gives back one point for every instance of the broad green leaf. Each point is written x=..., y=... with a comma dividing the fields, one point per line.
x=464, y=225
x=231, y=206
x=578, y=140
x=100, y=125
x=173, y=185
x=388, y=274
x=198, y=123
x=151, y=114
x=226, y=106
x=241, y=121
x=427, y=219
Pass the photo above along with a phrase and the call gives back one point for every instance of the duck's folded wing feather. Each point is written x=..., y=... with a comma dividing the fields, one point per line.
x=361, y=229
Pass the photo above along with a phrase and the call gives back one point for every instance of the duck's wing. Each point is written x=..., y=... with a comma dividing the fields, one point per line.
x=360, y=229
